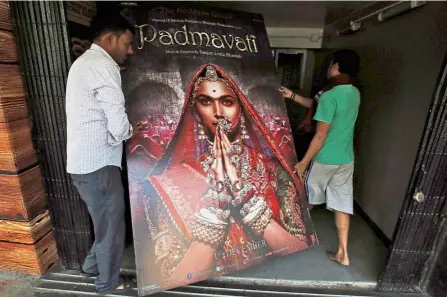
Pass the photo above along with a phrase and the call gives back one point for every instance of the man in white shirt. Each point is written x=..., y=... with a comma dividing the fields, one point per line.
x=97, y=125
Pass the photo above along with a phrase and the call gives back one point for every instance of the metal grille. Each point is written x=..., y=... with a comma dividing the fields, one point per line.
x=41, y=34
x=419, y=222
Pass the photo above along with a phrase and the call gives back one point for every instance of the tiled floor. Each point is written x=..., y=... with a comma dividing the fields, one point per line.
x=367, y=255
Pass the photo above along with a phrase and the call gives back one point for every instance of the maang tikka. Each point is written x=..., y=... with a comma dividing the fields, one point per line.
x=211, y=73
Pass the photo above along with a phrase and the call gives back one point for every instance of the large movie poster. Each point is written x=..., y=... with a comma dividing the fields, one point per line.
x=211, y=177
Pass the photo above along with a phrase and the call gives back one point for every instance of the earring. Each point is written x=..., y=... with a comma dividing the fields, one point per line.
x=244, y=133
x=200, y=130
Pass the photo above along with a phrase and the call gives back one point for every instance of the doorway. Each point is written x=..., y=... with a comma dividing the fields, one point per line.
x=322, y=220
x=364, y=242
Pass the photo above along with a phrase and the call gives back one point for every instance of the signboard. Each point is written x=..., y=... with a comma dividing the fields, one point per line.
x=79, y=15
x=81, y=12
x=211, y=177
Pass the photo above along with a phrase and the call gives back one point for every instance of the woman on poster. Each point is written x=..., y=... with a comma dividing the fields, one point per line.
x=222, y=197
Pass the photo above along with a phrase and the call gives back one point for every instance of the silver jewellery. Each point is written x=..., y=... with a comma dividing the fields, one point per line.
x=196, y=86
x=224, y=124
x=210, y=225
x=214, y=196
x=235, y=149
x=256, y=214
x=235, y=159
x=206, y=164
x=237, y=187
x=212, y=152
x=201, y=130
x=241, y=194
x=211, y=73
x=244, y=133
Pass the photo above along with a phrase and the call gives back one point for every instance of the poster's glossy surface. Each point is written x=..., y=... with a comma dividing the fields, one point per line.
x=211, y=177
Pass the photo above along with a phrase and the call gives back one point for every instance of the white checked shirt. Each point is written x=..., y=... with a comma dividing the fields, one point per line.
x=97, y=122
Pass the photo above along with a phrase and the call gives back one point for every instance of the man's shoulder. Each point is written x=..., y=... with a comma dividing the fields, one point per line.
x=345, y=90
x=89, y=64
x=90, y=59
x=328, y=95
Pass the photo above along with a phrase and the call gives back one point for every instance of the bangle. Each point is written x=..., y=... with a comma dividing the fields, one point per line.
x=213, y=196
x=220, y=187
x=237, y=186
x=260, y=223
x=210, y=226
x=242, y=194
x=292, y=97
x=256, y=214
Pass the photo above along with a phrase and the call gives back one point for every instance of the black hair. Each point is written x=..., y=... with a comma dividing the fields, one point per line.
x=106, y=23
x=348, y=62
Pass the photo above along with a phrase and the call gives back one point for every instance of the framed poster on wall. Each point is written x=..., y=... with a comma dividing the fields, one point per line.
x=211, y=177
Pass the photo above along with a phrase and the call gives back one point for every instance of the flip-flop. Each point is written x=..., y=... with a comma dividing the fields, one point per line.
x=333, y=256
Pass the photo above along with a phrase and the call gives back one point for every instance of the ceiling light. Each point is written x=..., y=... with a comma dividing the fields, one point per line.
x=353, y=27
x=402, y=7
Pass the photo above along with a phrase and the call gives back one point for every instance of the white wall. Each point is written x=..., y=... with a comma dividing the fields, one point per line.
x=298, y=38
x=401, y=61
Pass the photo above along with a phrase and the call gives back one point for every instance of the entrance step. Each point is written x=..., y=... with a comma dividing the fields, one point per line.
x=71, y=284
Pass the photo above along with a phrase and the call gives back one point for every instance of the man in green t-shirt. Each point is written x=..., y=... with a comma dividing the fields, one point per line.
x=330, y=156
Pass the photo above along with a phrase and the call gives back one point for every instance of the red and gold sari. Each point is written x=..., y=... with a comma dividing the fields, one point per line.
x=173, y=192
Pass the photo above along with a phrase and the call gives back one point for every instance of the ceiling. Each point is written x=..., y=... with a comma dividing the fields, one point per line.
x=304, y=14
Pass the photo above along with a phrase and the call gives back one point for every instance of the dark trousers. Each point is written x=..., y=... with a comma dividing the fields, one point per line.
x=103, y=193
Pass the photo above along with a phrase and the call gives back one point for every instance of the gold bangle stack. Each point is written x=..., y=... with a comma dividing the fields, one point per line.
x=208, y=233
x=256, y=214
x=209, y=228
x=260, y=222
x=242, y=192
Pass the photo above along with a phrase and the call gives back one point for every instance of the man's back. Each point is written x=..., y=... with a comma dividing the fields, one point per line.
x=96, y=120
x=339, y=107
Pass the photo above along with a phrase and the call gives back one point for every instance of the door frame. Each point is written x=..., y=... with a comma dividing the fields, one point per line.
x=74, y=235
x=418, y=236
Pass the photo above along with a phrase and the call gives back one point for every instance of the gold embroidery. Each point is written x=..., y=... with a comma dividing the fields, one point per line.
x=168, y=249
x=180, y=201
x=171, y=252
x=292, y=211
x=257, y=177
x=194, y=171
x=171, y=218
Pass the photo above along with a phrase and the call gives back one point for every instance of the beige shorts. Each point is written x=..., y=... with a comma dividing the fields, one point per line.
x=331, y=184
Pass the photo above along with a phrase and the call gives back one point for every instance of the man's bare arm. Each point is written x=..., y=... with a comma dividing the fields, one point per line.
x=288, y=94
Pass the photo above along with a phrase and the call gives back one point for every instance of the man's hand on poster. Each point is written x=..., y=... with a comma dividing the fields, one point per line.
x=285, y=92
x=137, y=128
x=300, y=169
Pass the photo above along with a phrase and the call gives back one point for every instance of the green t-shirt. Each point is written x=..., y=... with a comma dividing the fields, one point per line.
x=339, y=107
